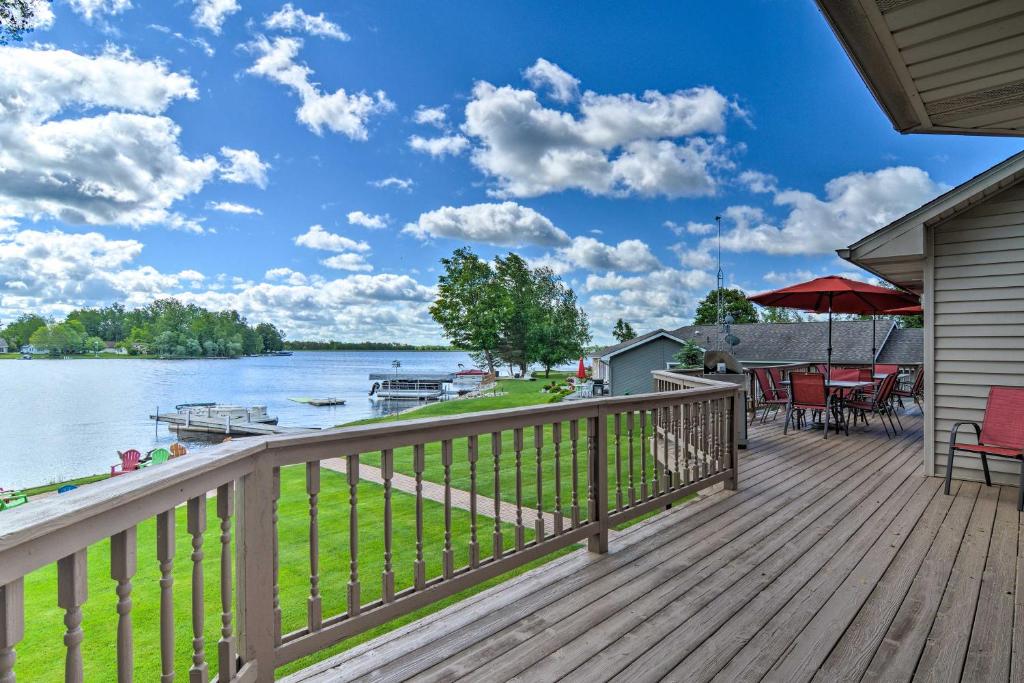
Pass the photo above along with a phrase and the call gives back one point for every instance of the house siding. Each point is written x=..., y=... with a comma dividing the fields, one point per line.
x=631, y=370
x=977, y=302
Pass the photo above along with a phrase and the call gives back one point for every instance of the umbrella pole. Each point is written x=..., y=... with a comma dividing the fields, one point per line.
x=873, y=351
x=828, y=364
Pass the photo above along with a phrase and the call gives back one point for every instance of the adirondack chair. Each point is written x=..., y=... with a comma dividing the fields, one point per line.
x=177, y=450
x=129, y=462
x=11, y=499
x=157, y=456
x=1001, y=434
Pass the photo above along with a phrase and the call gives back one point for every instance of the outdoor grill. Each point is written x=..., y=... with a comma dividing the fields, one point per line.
x=723, y=367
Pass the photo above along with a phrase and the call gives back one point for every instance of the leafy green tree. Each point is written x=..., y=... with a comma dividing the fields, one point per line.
x=467, y=303
x=94, y=344
x=775, y=314
x=735, y=304
x=273, y=339
x=623, y=331
x=17, y=17
x=559, y=331
x=690, y=355
x=19, y=332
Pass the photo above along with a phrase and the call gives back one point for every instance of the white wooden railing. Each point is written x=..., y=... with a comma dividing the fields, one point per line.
x=593, y=464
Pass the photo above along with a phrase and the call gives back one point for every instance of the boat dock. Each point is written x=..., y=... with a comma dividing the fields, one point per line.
x=225, y=425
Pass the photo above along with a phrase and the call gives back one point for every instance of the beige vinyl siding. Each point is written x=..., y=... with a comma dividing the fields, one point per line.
x=631, y=370
x=978, y=309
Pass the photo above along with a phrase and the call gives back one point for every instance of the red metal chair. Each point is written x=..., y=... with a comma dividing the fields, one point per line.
x=771, y=397
x=877, y=403
x=914, y=391
x=1001, y=434
x=845, y=374
x=777, y=379
x=129, y=462
x=886, y=369
x=807, y=393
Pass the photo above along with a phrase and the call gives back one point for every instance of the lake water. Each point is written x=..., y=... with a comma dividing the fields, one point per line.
x=67, y=418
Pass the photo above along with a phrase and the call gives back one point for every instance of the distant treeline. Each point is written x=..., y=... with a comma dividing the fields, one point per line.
x=360, y=346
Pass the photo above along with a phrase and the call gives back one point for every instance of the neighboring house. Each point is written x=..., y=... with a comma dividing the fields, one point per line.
x=112, y=347
x=28, y=348
x=3, y=345
x=626, y=367
x=963, y=253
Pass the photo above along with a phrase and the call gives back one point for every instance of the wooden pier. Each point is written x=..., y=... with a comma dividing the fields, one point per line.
x=239, y=427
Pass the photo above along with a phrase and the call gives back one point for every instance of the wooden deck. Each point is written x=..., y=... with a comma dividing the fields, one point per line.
x=836, y=560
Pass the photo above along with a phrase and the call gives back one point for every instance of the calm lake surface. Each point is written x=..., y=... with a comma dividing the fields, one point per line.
x=67, y=418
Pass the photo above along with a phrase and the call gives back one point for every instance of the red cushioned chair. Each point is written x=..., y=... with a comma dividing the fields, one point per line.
x=914, y=391
x=845, y=374
x=877, y=403
x=807, y=393
x=771, y=397
x=1001, y=434
x=886, y=369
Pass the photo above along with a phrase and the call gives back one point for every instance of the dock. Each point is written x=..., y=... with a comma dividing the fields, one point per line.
x=238, y=427
x=330, y=401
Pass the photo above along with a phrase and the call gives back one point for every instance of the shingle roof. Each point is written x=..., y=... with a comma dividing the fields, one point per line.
x=804, y=341
x=629, y=342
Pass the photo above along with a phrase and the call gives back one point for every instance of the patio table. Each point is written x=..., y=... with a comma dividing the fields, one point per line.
x=841, y=387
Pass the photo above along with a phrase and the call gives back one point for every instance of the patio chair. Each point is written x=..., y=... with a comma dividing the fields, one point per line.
x=1001, y=434
x=129, y=462
x=886, y=369
x=914, y=390
x=820, y=368
x=157, y=457
x=177, y=450
x=771, y=397
x=777, y=379
x=807, y=393
x=876, y=403
x=845, y=374
x=11, y=499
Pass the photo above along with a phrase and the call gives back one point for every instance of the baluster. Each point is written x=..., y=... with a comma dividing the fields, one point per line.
x=517, y=445
x=705, y=434
x=226, y=658
x=165, y=556
x=655, y=465
x=677, y=412
x=687, y=429
x=448, y=556
x=617, y=429
x=387, y=466
x=196, y=525
x=122, y=569
x=556, y=438
x=538, y=444
x=473, y=454
x=314, y=604
x=419, y=566
x=665, y=421
x=72, y=590
x=498, y=545
x=593, y=424
x=574, y=438
x=275, y=498
x=352, y=471
x=643, y=454
x=12, y=626
x=630, y=490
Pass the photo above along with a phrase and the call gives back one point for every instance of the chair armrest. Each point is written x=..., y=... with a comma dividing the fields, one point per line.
x=956, y=428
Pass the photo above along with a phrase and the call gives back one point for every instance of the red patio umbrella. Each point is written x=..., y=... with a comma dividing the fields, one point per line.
x=835, y=294
x=906, y=310
x=581, y=371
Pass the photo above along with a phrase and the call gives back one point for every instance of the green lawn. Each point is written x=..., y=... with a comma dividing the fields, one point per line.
x=40, y=653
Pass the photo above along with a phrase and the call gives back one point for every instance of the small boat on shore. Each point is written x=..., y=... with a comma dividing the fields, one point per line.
x=409, y=387
x=221, y=411
x=329, y=401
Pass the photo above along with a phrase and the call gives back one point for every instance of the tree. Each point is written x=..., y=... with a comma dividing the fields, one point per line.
x=776, y=314
x=559, y=330
x=623, y=331
x=467, y=303
x=690, y=355
x=735, y=304
x=20, y=331
x=17, y=17
x=273, y=339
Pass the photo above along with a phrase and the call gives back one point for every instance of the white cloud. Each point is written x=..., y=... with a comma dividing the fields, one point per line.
x=368, y=220
x=200, y=43
x=244, y=166
x=506, y=224
x=211, y=14
x=290, y=276
x=662, y=298
x=83, y=140
x=354, y=262
x=42, y=15
x=854, y=205
x=318, y=238
x=339, y=111
x=290, y=19
x=439, y=146
x=789, y=278
x=91, y=9
x=691, y=228
x=232, y=207
x=629, y=255
x=693, y=258
x=619, y=145
x=398, y=183
x=758, y=182
x=562, y=86
x=431, y=116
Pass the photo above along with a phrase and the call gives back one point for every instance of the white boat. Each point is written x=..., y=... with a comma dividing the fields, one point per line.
x=409, y=387
x=221, y=411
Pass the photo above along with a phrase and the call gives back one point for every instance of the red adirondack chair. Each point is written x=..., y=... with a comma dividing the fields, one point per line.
x=1001, y=434
x=129, y=462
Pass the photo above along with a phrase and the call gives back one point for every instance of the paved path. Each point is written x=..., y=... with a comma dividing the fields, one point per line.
x=460, y=498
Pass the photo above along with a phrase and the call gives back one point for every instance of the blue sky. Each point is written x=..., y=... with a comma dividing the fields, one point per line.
x=189, y=149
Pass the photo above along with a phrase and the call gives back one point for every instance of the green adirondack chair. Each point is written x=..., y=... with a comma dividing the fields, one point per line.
x=11, y=499
x=157, y=457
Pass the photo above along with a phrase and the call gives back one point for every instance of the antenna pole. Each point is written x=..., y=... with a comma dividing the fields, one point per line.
x=720, y=300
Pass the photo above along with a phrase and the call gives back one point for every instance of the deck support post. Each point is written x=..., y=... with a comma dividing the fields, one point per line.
x=597, y=436
x=255, y=539
x=733, y=430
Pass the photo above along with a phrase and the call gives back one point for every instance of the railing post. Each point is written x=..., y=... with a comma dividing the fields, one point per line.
x=255, y=541
x=598, y=433
x=12, y=626
x=733, y=430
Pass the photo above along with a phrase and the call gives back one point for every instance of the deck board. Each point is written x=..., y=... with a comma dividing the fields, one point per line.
x=835, y=560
